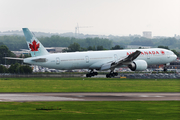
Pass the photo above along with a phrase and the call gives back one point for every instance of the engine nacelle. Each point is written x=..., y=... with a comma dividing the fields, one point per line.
x=138, y=65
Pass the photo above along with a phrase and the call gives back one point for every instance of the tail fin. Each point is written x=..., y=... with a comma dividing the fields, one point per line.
x=36, y=48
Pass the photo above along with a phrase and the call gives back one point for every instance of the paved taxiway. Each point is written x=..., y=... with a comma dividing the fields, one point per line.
x=23, y=97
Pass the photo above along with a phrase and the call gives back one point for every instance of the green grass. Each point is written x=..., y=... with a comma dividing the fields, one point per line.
x=88, y=85
x=84, y=110
x=142, y=110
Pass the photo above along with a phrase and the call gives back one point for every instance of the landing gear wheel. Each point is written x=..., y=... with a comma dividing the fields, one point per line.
x=111, y=74
x=92, y=73
x=95, y=73
x=165, y=69
x=115, y=73
x=88, y=75
x=108, y=76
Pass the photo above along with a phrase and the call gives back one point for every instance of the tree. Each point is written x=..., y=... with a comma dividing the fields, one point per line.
x=14, y=68
x=3, y=69
x=175, y=52
x=1, y=43
x=27, y=55
x=17, y=68
x=90, y=48
x=25, y=69
x=165, y=47
x=142, y=41
x=100, y=48
x=74, y=47
x=21, y=56
x=116, y=47
x=5, y=52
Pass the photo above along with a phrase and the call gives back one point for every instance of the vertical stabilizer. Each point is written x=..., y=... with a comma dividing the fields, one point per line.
x=35, y=47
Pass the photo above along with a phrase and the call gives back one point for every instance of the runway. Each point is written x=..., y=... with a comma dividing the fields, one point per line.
x=25, y=97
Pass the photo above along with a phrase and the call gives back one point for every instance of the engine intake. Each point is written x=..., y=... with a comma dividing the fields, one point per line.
x=138, y=65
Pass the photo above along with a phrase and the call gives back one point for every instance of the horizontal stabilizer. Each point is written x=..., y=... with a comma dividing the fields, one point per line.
x=12, y=58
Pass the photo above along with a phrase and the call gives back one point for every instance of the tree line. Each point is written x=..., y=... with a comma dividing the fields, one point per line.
x=5, y=52
x=171, y=42
x=15, y=65
x=16, y=68
x=18, y=42
x=15, y=43
x=76, y=47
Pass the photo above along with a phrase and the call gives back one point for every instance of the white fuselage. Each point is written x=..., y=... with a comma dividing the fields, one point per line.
x=95, y=59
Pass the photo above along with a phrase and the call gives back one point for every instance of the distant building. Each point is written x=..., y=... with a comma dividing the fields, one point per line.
x=18, y=53
x=147, y=34
x=55, y=49
x=177, y=36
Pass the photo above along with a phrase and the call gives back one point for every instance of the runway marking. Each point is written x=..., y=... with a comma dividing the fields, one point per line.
x=20, y=97
x=88, y=96
x=143, y=96
x=158, y=96
x=150, y=96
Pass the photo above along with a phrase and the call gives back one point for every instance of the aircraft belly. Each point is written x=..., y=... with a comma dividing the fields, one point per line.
x=71, y=65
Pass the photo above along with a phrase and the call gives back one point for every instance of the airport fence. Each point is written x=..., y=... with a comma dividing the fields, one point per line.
x=7, y=75
x=130, y=75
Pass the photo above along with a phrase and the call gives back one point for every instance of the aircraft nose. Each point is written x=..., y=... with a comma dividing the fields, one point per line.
x=175, y=57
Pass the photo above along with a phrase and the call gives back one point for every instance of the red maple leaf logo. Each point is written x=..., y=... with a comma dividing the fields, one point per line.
x=162, y=52
x=34, y=46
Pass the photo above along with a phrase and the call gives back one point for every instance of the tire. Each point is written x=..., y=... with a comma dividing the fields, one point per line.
x=88, y=75
x=95, y=73
x=108, y=76
x=116, y=74
x=165, y=69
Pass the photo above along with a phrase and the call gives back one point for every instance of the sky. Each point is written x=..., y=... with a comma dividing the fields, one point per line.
x=104, y=17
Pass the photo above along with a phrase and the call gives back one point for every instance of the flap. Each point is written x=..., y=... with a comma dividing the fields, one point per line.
x=106, y=66
x=127, y=60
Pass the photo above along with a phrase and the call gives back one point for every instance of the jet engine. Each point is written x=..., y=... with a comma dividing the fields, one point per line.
x=138, y=65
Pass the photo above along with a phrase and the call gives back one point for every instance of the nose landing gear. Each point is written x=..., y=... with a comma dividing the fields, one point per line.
x=165, y=68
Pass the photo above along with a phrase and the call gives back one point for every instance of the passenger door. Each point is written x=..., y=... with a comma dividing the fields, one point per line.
x=57, y=61
x=87, y=59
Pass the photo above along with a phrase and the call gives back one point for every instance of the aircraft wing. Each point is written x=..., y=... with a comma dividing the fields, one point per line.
x=123, y=61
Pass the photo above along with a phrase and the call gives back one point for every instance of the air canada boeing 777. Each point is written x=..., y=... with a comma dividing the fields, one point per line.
x=135, y=59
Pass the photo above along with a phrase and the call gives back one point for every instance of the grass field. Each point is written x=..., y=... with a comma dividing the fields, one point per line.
x=164, y=110
x=113, y=110
x=88, y=85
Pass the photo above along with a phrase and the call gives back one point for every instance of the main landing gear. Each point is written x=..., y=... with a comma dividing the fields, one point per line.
x=111, y=74
x=165, y=68
x=92, y=73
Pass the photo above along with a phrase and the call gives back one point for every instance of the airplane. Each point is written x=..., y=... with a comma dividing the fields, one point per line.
x=135, y=59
